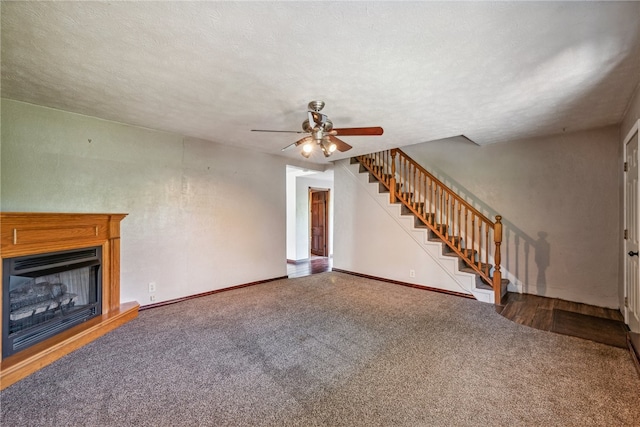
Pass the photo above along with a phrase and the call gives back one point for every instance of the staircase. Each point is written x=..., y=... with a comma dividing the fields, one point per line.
x=463, y=231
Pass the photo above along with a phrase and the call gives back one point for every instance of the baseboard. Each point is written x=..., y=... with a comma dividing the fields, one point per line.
x=297, y=261
x=204, y=294
x=410, y=285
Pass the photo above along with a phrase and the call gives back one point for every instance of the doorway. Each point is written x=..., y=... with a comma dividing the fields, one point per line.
x=318, y=215
x=309, y=235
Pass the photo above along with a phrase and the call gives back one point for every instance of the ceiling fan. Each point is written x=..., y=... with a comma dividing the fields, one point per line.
x=322, y=132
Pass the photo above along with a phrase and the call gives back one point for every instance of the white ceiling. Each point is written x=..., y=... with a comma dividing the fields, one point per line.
x=494, y=72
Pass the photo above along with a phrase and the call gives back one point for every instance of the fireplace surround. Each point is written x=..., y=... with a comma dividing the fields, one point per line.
x=83, y=280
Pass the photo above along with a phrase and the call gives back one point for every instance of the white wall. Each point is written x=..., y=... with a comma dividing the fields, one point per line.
x=560, y=202
x=202, y=216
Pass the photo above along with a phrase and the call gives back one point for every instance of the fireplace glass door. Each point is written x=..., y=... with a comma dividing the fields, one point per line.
x=46, y=294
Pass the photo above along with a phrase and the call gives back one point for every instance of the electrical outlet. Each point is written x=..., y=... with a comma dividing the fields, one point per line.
x=412, y=273
x=152, y=287
x=152, y=298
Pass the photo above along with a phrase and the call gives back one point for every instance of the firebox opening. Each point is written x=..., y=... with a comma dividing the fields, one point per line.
x=46, y=294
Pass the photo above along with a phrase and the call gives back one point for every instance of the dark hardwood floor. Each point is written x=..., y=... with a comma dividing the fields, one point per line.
x=537, y=311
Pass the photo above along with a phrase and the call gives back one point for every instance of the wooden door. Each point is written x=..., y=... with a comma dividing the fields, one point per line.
x=319, y=199
x=632, y=226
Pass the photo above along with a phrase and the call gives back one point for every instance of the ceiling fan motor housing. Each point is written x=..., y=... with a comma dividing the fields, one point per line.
x=316, y=105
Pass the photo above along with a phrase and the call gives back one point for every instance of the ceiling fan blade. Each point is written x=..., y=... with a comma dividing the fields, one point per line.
x=358, y=131
x=280, y=131
x=340, y=144
x=299, y=142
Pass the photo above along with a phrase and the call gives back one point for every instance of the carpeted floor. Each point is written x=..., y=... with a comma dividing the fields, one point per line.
x=329, y=350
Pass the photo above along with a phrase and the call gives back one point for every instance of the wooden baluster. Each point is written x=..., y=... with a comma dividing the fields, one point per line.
x=423, y=188
x=410, y=168
x=419, y=193
x=466, y=228
x=401, y=175
x=392, y=183
x=478, y=262
x=441, y=201
x=429, y=196
x=402, y=167
x=479, y=243
x=434, y=202
x=486, y=250
x=446, y=215
x=497, y=274
x=387, y=166
x=452, y=230
x=412, y=185
x=407, y=167
x=473, y=236
x=415, y=187
x=399, y=167
x=459, y=226
x=425, y=208
x=436, y=216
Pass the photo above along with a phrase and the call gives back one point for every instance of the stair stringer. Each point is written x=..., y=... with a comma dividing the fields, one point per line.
x=461, y=281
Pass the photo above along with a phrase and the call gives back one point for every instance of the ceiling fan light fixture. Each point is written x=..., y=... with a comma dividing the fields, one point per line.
x=307, y=149
x=327, y=148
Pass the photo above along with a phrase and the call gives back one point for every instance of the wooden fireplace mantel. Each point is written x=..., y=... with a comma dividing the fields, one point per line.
x=34, y=233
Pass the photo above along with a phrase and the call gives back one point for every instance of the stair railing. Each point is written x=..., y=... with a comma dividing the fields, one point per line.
x=471, y=235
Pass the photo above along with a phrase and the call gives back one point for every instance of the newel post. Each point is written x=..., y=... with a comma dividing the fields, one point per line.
x=392, y=182
x=497, y=274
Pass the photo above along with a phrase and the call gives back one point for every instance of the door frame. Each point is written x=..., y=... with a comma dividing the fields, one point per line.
x=635, y=130
x=326, y=219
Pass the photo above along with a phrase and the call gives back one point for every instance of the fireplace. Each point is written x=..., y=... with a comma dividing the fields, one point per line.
x=61, y=286
x=46, y=294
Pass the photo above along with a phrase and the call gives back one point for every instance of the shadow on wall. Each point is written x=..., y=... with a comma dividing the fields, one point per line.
x=523, y=257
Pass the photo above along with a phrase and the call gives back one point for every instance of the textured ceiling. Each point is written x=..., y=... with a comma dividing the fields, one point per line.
x=494, y=72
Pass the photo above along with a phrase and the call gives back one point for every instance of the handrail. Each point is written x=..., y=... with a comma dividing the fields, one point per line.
x=436, y=180
x=455, y=221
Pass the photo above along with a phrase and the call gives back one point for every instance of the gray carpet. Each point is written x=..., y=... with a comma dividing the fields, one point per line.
x=329, y=350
